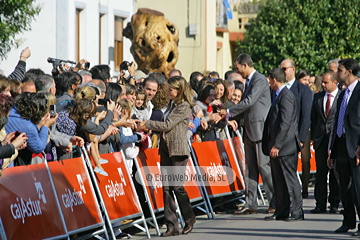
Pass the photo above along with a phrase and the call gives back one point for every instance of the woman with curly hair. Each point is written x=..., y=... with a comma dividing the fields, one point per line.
x=160, y=102
x=30, y=116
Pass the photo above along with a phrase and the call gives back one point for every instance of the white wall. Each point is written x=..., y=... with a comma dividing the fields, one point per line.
x=53, y=33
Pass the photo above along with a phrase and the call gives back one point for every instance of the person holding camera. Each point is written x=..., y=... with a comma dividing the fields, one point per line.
x=130, y=67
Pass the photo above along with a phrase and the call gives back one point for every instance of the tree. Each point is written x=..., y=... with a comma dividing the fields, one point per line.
x=15, y=18
x=311, y=32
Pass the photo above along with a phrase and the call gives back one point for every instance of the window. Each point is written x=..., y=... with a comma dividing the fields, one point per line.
x=77, y=34
x=101, y=40
x=118, y=43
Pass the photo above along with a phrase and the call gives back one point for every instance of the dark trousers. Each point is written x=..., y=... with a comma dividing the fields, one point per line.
x=257, y=163
x=322, y=170
x=349, y=181
x=288, y=199
x=305, y=163
x=174, y=165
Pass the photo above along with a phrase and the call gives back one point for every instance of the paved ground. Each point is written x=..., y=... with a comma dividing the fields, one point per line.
x=228, y=226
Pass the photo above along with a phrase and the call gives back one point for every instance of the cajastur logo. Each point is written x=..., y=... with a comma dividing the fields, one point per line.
x=121, y=176
x=28, y=208
x=74, y=198
x=115, y=189
x=81, y=183
x=40, y=191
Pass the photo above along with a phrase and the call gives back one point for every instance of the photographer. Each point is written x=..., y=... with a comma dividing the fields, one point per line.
x=59, y=66
x=130, y=67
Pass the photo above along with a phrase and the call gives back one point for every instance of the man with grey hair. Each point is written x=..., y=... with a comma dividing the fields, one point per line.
x=85, y=75
x=333, y=65
x=236, y=77
x=231, y=88
x=45, y=83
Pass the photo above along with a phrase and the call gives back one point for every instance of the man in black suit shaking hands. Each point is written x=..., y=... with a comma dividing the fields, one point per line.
x=280, y=142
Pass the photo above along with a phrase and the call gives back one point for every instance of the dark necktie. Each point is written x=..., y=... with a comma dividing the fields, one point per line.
x=327, y=106
x=247, y=82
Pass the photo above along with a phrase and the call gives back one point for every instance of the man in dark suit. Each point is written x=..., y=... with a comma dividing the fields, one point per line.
x=343, y=142
x=280, y=142
x=303, y=97
x=322, y=116
x=254, y=105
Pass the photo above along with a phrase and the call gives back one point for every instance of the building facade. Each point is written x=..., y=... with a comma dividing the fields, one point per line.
x=92, y=29
x=73, y=30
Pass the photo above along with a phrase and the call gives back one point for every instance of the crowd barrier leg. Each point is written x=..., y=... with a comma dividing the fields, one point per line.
x=204, y=202
x=180, y=218
x=153, y=217
x=299, y=178
x=2, y=231
x=202, y=185
x=142, y=219
x=108, y=225
x=56, y=197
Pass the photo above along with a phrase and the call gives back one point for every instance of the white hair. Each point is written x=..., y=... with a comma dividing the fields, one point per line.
x=336, y=60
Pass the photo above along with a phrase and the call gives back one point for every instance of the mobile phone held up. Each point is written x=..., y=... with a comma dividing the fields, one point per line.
x=87, y=65
x=52, y=111
x=103, y=101
x=17, y=133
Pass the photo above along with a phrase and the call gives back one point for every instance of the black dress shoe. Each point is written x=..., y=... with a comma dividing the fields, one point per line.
x=356, y=234
x=274, y=217
x=170, y=233
x=305, y=194
x=343, y=229
x=189, y=226
x=333, y=210
x=293, y=218
x=318, y=210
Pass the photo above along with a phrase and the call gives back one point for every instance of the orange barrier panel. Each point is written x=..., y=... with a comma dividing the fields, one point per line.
x=28, y=205
x=218, y=154
x=151, y=158
x=312, y=160
x=75, y=193
x=116, y=189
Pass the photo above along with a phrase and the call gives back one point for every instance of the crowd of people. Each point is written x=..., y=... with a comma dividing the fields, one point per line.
x=50, y=117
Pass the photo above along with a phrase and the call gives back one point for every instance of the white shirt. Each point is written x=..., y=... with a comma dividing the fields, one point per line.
x=351, y=87
x=149, y=108
x=290, y=83
x=279, y=90
x=333, y=95
x=250, y=76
